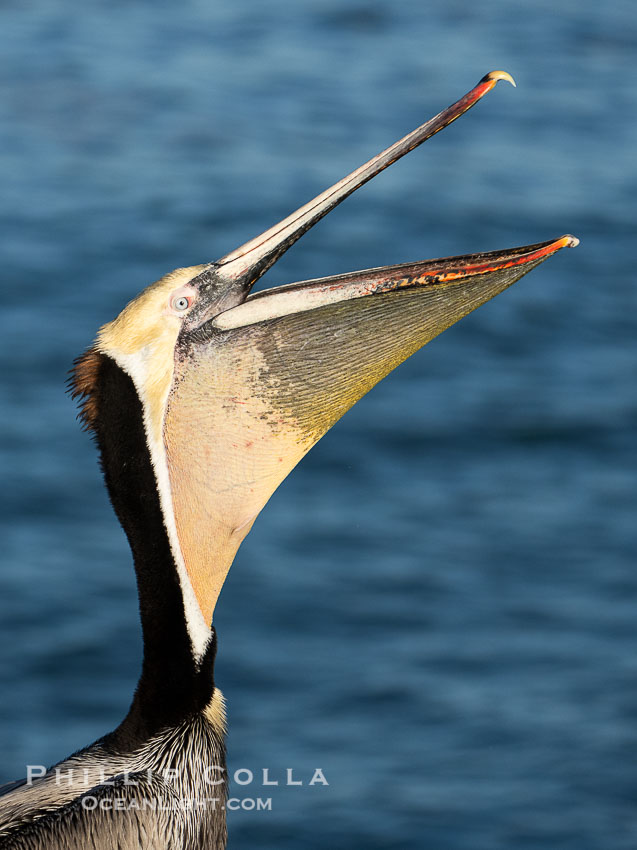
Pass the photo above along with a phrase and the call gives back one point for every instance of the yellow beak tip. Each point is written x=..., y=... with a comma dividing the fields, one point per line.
x=501, y=75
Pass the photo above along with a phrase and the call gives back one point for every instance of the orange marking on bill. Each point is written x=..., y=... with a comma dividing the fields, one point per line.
x=472, y=269
x=509, y=264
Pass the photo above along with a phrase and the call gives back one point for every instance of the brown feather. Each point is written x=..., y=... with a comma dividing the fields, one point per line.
x=82, y=385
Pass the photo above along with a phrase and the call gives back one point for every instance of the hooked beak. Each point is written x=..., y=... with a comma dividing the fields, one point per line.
x=247, y=264
x=238, y=271
x=260, y=379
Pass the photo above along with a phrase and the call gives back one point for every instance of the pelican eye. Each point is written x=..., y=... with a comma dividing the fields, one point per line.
x=180, y=303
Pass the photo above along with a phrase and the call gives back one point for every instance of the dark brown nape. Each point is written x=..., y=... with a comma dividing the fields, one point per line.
x=173, y=686
x=82, y=385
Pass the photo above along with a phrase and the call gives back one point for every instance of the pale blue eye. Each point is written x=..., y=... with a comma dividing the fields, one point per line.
x=181, y=303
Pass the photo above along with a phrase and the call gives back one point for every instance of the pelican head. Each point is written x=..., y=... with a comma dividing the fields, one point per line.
x=235, y=388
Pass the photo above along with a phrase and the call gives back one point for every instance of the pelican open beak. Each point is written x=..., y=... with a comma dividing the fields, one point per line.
x=260, y=378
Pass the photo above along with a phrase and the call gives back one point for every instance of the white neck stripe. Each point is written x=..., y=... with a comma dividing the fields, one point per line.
x=198, y=630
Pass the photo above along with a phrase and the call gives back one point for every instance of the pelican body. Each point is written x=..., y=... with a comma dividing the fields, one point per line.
x=202, y=398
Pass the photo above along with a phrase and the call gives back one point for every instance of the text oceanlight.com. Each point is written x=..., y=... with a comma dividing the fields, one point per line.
x=125, y=804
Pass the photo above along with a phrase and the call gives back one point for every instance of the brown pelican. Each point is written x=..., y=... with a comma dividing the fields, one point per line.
x=202, y=398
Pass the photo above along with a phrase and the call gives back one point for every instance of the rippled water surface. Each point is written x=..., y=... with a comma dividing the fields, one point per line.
x=438, y=608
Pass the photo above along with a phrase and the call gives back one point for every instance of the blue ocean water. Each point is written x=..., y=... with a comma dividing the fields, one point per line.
x=438, y=607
